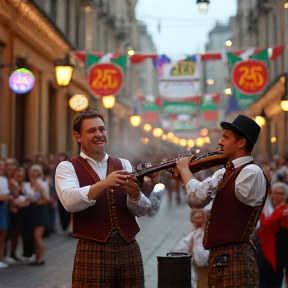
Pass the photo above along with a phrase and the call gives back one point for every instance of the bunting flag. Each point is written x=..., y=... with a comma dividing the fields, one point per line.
x=121, y=61
x=90, y=60
x=249, y=77
x=232, y=105
x=151, y=112
x=209, y=107
x=138, y=58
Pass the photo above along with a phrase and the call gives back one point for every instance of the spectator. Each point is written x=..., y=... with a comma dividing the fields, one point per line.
x=4, y=217
x=273, y=236
x=193, y=244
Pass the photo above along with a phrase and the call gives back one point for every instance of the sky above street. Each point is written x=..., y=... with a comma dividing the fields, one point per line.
x=177, y=27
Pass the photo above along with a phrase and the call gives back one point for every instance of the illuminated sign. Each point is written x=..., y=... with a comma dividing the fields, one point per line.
x=78, y=102
x=105, y=79
x=250, y=76
x=21, y=81
x=183, y=68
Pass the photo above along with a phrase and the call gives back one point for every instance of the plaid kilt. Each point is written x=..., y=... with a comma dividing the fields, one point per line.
x=114, y=264
x=241, y=271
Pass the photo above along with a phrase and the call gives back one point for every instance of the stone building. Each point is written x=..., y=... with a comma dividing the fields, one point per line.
x=217, y=70
x=264, y=23
x=33, y=34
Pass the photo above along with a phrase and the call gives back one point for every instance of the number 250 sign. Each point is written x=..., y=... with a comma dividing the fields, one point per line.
x=105, y=79
x=250, y=76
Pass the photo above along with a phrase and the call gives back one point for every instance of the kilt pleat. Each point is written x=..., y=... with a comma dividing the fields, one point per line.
x=242, y=270
x=114, y=264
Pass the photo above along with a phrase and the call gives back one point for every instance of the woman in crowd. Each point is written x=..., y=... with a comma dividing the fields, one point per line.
x=273, y=236
x=4, y=214
x=38, y=192
x=34, y=214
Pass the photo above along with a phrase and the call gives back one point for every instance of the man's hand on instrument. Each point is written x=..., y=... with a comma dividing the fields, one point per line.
x=149, y=182
x=183, y=163
x=117, y=178
x=132, y=188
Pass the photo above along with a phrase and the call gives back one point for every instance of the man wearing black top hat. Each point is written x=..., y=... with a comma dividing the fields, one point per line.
x=238, y=192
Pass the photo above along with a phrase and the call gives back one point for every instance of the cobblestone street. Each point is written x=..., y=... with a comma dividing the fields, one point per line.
x=158, y=235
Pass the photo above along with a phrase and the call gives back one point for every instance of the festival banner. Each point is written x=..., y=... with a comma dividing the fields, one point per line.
x=105, y=79
x=183, y=126
x=249, y=77
x=179, y=78
x=177, y=108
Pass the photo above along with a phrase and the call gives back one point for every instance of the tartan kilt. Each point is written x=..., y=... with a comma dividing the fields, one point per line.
x=116, y=263
x=242, y=270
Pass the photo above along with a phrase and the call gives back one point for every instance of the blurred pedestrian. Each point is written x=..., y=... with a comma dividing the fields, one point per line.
x=193, y=244
x=238, y=198
x=15, y=186
x=5, y=197
x=38, y=192
x=105, y=199
x=11, y=165
x=273, y=236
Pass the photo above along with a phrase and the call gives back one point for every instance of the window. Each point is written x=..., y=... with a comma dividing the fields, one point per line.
x=53, y=10
x=67, y=28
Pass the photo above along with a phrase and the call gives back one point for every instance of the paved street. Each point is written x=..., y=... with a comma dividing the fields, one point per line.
x=158, y=235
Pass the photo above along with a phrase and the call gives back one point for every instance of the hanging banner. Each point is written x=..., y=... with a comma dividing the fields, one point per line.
x=183, y=126
x=179, y=78
x=179, y=107
x=249, y=77
x=209, y=107
x=105, y=79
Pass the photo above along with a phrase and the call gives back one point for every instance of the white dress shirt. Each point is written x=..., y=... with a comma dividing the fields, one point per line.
x=75, y=198
x=250, y=185
x=33, y=195
x=4, y=187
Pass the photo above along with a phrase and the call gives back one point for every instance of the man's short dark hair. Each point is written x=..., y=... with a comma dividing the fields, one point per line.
x=87, y=114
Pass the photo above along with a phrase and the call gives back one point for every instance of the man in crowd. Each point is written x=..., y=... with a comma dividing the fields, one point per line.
x=105, y=200
x=238, y=197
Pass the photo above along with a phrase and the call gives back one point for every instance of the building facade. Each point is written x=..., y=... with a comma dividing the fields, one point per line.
x=33, y=34
x=217, y=70
x=264, y=23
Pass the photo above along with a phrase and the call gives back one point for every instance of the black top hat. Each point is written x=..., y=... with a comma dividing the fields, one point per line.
x=245, y=127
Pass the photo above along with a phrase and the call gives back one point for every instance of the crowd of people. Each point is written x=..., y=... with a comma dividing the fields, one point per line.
x=29, y=208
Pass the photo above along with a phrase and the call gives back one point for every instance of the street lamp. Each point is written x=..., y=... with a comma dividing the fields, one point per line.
x=228, y=43
x=286, y=5
x=135, y=120
x=130, y=50
x=284, y=100
x=260, y=119
x=203, y=5
x=78, y=103
x=108, y=101
x=147, y=127
x=228, y=91
x=63, y=70
x=157, y=132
